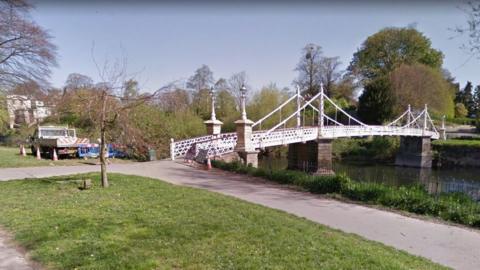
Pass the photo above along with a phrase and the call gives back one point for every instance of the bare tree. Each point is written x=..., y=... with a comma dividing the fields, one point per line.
x=472, y=29
x=174, y=100
x=107, y=105
x=235, y=82
x=309, y=69
x=30, y=89
x=329, y=73
x=26, y=52
x=222, y=84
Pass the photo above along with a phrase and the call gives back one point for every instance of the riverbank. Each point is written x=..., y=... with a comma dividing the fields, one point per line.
x=453, y=207
x=462, y=152
x=457, y=153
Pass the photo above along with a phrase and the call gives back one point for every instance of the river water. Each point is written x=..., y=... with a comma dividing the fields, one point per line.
x=466, y=180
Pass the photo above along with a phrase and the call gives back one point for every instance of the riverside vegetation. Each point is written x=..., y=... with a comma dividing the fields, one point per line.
x=454, y=207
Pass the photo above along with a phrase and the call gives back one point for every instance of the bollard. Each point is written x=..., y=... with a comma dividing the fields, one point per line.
x=209, y=164
x=87, y=184
x=39, y=156
x=55, y=157
x=22, y=151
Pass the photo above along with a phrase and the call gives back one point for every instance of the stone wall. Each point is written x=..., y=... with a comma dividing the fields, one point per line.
x=456, y=156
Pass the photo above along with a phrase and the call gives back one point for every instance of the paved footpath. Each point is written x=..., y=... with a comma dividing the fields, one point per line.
x=10, y=257
x=452, y=246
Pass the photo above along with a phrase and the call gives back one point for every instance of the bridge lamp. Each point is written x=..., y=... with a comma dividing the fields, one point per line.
x=243, y=92
x=212, y=95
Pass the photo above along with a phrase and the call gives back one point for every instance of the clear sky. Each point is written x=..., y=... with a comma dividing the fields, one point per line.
x=167, y=41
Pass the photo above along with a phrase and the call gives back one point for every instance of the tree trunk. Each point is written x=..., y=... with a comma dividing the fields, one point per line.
x=103, y=162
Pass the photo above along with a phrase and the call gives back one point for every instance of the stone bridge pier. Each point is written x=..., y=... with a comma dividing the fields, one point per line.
x=414, y=152
x=312, y=156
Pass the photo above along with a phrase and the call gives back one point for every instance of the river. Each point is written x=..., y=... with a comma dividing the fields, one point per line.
x=466, y=180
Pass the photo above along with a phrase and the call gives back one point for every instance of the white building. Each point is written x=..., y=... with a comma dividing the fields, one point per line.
x=25, y=110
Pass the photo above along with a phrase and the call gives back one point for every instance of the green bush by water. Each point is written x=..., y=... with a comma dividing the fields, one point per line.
x=377, y=149
x=455, y=207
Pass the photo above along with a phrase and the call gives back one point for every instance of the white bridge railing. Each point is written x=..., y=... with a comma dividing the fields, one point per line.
x=217, y=145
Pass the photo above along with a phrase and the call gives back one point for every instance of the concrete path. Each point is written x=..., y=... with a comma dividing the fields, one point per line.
x=10, y=257
x=452, y=246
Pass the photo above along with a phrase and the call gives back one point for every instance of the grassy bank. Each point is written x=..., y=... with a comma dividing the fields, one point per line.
x=453, y=207
x=453, y=143
x=141, y=223
x=10, y=158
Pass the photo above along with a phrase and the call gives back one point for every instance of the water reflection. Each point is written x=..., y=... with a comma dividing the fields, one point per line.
x=466, y=180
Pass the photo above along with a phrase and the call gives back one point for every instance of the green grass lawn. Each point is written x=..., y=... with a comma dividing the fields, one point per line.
x=10, y=158
x=458, y=143
x=141, y=223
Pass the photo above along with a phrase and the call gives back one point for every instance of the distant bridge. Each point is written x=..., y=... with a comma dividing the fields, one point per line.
x=407, y=124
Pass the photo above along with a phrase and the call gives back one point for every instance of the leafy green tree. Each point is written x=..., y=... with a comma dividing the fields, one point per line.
x=158, y=126
x=476, y=101
x=375, y=105
x=77, y=81
x=465, y=97
x=226, y=109
x=387, y=49
x=345, y=88
x=201, y=103
x=4, y=119
x=419, y=84
x=265, y=101
x=460, y=110
x=468, y=100
x=202, y=79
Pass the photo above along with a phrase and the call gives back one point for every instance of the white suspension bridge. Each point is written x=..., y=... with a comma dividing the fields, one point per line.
x=418, y=124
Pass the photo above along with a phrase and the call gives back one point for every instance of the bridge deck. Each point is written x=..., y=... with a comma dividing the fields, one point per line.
x=225, y=143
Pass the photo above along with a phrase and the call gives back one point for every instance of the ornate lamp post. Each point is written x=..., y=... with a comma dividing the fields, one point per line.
x=244, y=146
x=243, y=91
x=213, y=98
x=214, y=126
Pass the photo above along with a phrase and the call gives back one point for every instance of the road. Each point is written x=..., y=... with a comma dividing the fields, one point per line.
x=452, y=246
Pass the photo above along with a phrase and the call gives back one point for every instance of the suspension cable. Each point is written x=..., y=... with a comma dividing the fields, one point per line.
x=274, y=111
x=294, y=113
x=398, y=119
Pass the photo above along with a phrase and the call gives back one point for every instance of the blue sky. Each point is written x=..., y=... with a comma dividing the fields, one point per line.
x=167, y=41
